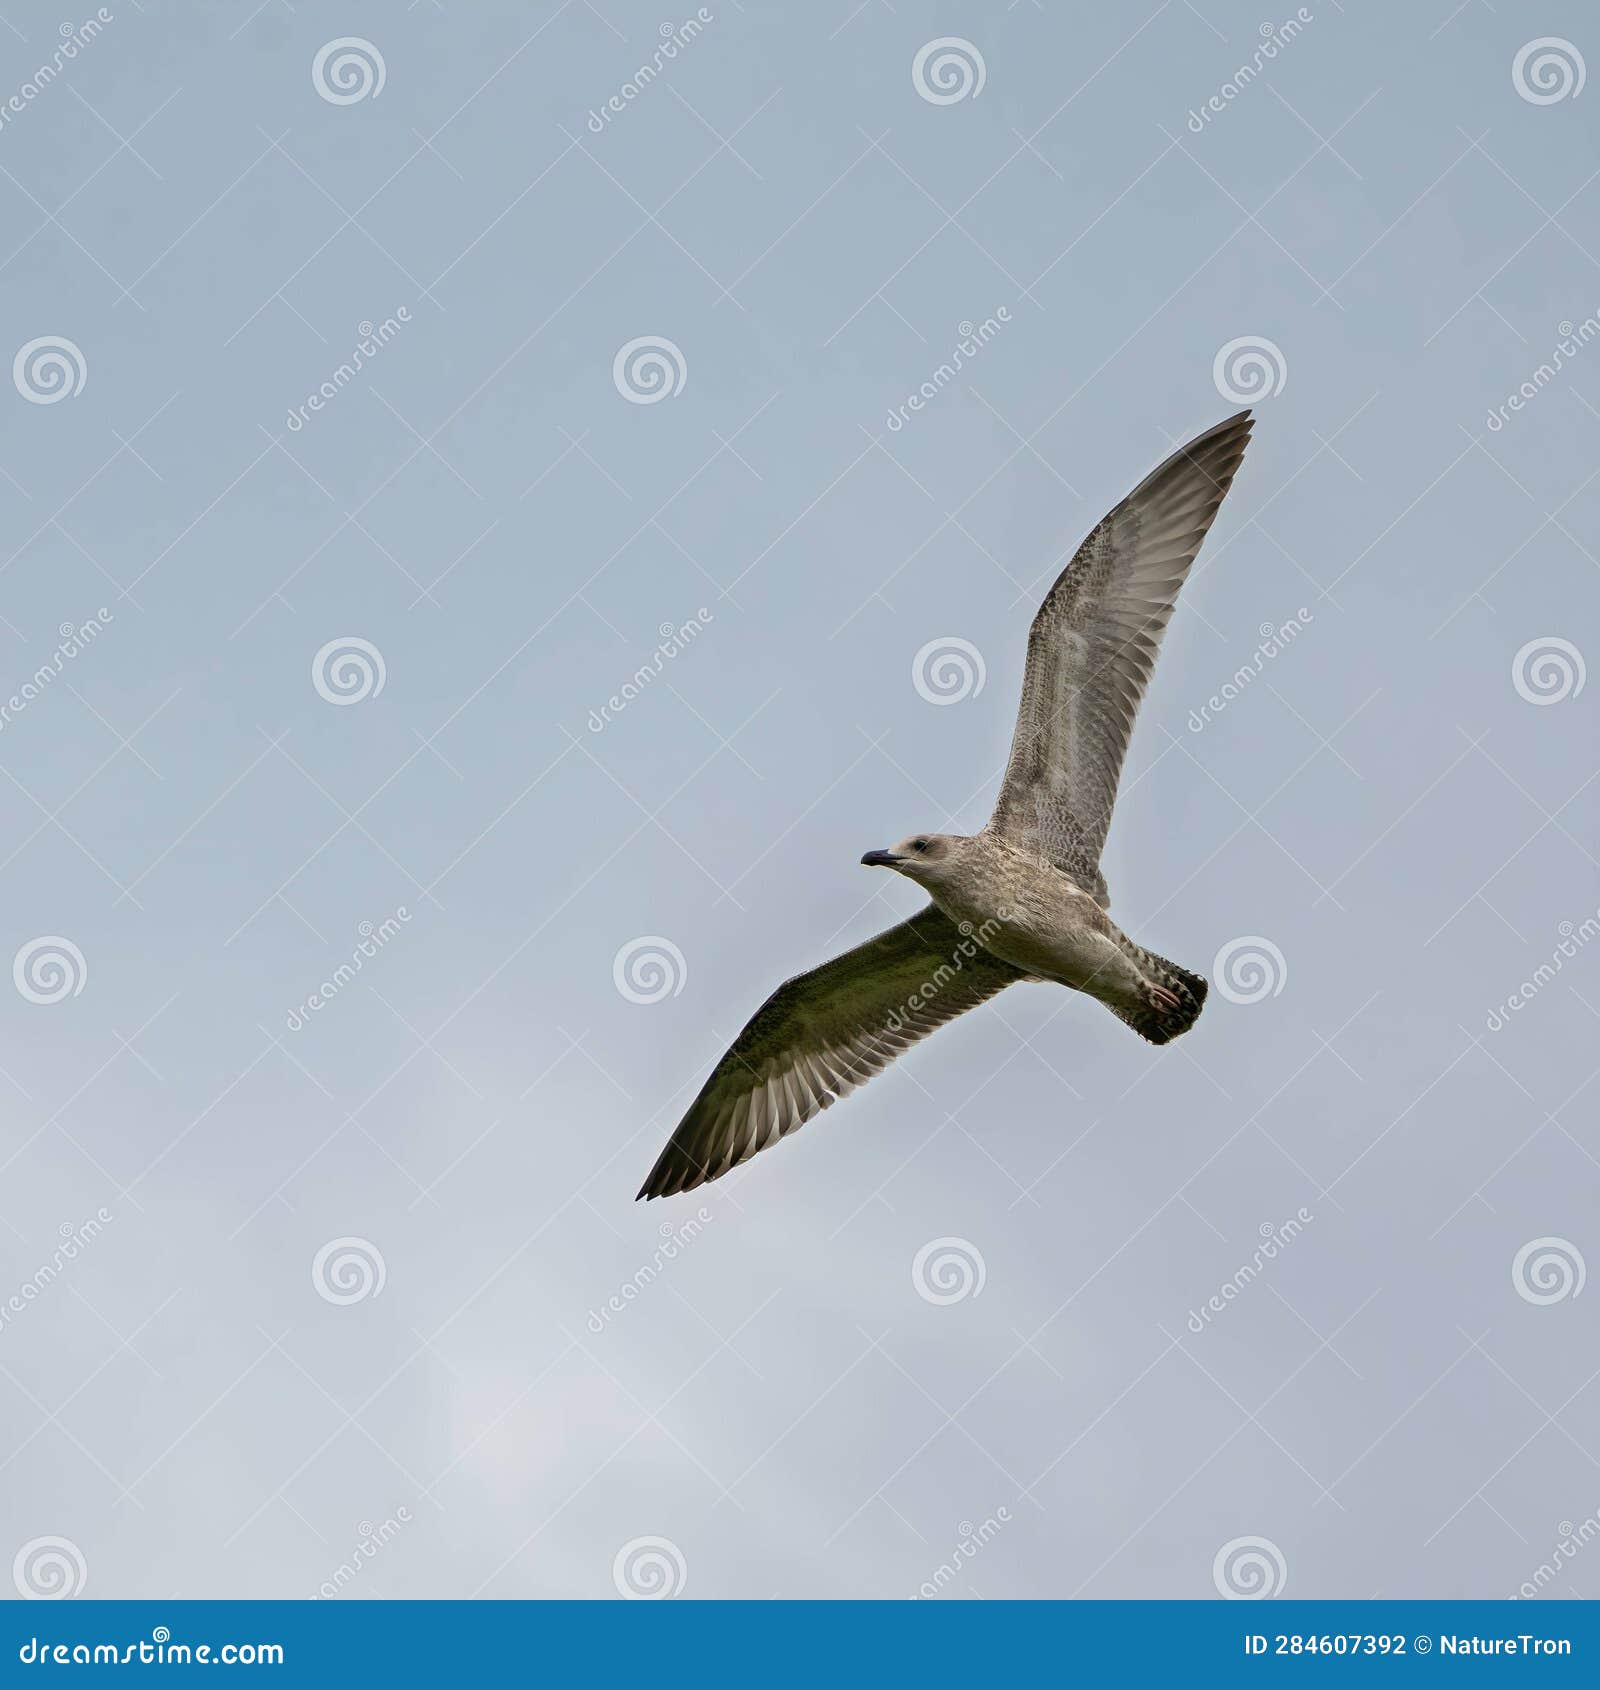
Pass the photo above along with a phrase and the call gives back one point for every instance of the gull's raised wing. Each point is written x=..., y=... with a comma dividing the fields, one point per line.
x=1092, y=647
x=821, y=1035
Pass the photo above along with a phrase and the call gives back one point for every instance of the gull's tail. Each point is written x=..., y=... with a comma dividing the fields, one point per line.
x=1171, y=1003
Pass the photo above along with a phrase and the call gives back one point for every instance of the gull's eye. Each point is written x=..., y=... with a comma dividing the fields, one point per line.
x=919, y=844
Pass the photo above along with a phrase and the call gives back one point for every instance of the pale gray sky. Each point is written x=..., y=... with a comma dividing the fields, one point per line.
x=483, y=518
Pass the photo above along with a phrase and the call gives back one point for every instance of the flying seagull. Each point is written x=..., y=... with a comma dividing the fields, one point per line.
x=1025, y=898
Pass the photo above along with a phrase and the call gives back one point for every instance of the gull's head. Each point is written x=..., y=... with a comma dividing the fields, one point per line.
x=924, y=857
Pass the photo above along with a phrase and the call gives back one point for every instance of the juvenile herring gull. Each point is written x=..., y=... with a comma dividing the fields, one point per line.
x=1025, y=898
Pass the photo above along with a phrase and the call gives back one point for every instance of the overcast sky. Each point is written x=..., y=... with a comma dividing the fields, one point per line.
x=392, y=399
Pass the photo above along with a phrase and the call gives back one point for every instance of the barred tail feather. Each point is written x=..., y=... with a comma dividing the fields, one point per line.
x=1158, y=1021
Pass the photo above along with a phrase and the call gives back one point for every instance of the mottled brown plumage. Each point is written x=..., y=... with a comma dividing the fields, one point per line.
x=820, y=1035
x=1091, y=649
x=1025, y=898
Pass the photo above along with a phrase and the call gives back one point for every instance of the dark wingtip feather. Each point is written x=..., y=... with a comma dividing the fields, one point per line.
x=675, y=1171
x=1217, y=453
x=655, y=1184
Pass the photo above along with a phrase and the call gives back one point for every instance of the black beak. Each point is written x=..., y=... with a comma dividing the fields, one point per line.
x=880, y=859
